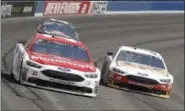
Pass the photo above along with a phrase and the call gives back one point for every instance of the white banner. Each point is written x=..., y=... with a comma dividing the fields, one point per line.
x=99, y=7
x=6, y=10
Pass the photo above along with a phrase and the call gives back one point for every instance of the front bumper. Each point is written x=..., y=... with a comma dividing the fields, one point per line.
x=35, y=77
x=125, y=83
x=165, y=96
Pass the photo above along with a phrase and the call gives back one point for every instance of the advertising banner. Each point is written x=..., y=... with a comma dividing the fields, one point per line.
x=17, y=9
x=145, y=5
x=66, y=7
x=6, y=10
x=99, y=7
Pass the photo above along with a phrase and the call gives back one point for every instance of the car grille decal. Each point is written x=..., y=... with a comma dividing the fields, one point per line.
x=61, y=81
x=63, y=75
x=140, y=84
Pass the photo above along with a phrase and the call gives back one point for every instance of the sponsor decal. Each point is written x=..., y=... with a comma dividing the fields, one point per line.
x=144, y=67
x=64, y=69
x=62, y=61
x=142, y=74
x=118, y=77
x=100, y=7
x=61, y=81
x=160, y=71
x=6, y=10
x=17, y=9
x=140, y=84
x=28, y=9
x=163, y=86
x=148, y=68
x=35, y=73
x=126, y=64
x=57, y=8
x=24, y=73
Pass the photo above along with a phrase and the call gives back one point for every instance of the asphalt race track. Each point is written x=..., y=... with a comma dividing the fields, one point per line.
x=162, y=33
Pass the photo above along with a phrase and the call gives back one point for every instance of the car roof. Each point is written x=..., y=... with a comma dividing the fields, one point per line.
x=141, y=50
x=59, y=39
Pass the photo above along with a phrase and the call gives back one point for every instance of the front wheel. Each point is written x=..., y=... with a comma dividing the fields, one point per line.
x=168, y=92
x=104, y=72
x=11, y=72
x=20, y=74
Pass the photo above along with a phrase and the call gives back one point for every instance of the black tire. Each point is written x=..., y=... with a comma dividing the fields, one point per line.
x=11, y=72
x=104, y=73
x=103, y=68
x=20, y=74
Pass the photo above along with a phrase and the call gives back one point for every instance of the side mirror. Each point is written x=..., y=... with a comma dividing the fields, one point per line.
x=96, y=64
x=22, y=41
x=109, y=53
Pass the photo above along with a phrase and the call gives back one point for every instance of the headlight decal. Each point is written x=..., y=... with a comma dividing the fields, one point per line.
x=91, y=75
x=32, y=64
x=165, y=80
x=118, y=71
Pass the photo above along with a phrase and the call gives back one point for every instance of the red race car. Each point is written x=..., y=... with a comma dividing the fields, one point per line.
x=55, y=63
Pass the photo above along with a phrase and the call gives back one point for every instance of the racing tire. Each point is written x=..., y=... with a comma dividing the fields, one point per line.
x=104, y=73
x=11, y=72
x=20, y=74
x=168, y=92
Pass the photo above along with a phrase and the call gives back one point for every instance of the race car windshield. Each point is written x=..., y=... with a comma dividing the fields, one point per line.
x=60, y=49
x=59, y=29
x=138, y=58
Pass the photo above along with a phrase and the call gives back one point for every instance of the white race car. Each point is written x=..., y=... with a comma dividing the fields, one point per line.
x=138, y=70
x=57, y=64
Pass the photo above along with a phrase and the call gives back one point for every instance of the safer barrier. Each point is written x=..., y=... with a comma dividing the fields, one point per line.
x=145, y=6
x=61, y=7
x=135, y=7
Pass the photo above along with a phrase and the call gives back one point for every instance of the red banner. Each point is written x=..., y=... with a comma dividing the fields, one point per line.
x=57, y=8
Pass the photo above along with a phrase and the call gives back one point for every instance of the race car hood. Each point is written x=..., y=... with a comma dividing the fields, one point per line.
x=141, y=69
x=46, y=59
